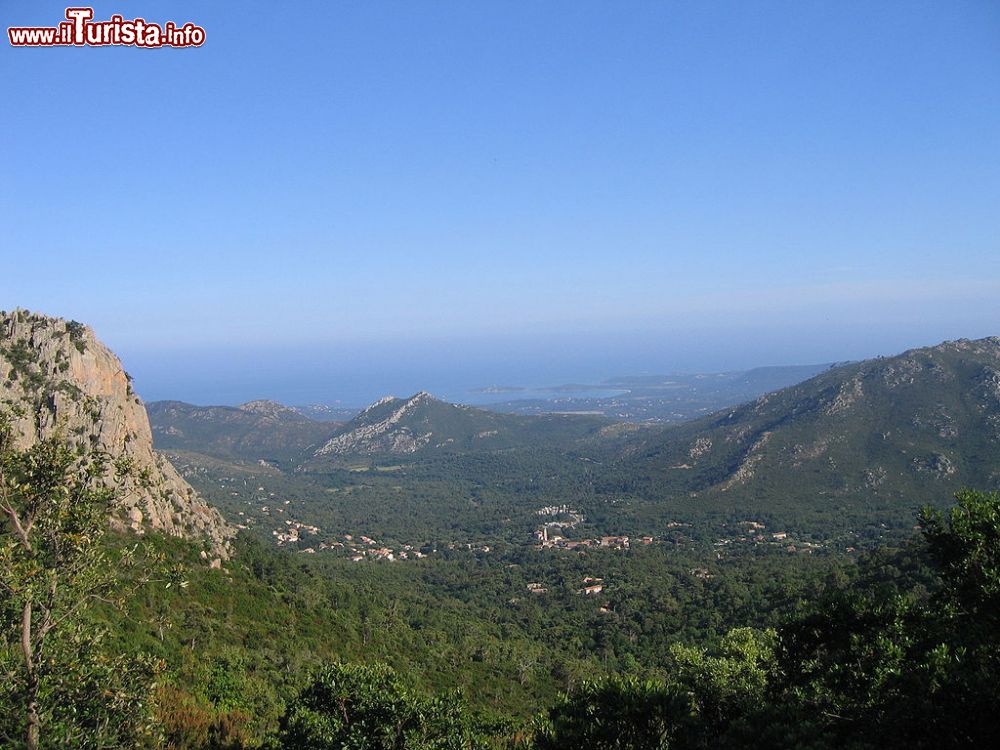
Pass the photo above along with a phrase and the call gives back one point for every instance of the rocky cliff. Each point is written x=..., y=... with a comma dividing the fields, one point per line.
x=57, y=379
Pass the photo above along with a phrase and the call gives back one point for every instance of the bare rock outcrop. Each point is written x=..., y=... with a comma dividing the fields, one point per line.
x=57, y=379
x=376, y=432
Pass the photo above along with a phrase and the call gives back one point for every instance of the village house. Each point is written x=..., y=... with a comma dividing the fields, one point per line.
x=615, y=541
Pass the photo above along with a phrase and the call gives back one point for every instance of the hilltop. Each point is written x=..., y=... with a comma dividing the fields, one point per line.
x=422, y=425
x=58, y=380
x=256, y=430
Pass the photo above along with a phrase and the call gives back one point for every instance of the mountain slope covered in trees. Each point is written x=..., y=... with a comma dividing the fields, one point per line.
x=868, y=438
x=254, y=431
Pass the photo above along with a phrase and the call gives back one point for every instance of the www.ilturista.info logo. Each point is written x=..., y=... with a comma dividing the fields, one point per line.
x=80, y=30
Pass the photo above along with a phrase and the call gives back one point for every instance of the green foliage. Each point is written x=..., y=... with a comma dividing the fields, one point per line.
x=239, y=640
x=888, y=657
x=692, y=707
x=965, y=548
x=915, y=668
x=880, y=666
x=617, y=713
x=367, y=707
x=725, y=685
x=77, y=333
x=89, y=697
x=61, y=687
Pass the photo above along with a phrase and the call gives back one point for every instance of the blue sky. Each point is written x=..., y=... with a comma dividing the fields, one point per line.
x=366, y=195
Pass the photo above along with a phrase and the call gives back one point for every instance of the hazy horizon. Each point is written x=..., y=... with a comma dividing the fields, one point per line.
x=354, y=376
x=452, y=195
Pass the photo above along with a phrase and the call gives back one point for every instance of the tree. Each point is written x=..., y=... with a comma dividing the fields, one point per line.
x=693, y=708
x=60, y=687
x=965, y=548
x=615, y=713
x=366, y=707
x=878, y=667
x=724, y=686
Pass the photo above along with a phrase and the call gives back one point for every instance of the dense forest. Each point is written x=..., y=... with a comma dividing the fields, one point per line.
x=114, y=641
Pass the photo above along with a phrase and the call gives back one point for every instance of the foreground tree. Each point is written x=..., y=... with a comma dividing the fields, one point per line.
x=693, y=708
x=367, y=707
x=905, y=669
x=58, y=686
x=964, y=546
x=615, y=713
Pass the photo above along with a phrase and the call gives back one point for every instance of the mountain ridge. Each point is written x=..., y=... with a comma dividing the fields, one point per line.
x=256, y=430
x=423, y=424
x=911, y=427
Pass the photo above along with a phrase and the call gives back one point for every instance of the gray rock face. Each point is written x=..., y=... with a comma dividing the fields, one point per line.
x=271, y=409
x=57, y=379
x=381, y=429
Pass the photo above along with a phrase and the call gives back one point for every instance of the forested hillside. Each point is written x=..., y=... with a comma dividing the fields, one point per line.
x=254, y=431
x=859, y=445
x=270, y=652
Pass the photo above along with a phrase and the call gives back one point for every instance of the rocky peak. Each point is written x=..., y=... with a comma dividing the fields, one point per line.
x=381, y=402
x=57, y=379
x=390, y=425
x=266, y=408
